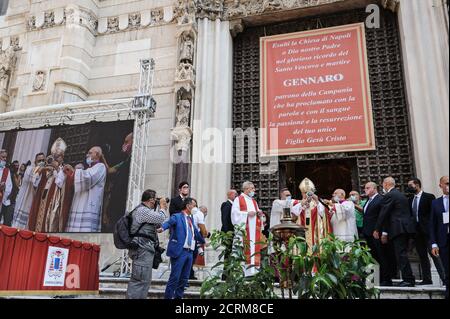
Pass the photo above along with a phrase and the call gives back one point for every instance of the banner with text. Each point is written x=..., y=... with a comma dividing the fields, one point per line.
x=315, y=92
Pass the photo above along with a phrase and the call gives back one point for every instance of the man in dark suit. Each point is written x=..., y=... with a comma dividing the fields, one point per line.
x=381, y=252
x=227, y=225
x=183, y=235
x=439, y=231
x=176, y=203
x=225, y=210
x=420, y=204
x=394, y=223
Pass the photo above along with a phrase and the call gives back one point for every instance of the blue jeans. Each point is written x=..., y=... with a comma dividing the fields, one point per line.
x=179, y=275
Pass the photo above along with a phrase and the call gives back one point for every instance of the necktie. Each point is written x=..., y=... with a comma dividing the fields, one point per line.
x=415, y=208
x=368, y=203
x=189, y=226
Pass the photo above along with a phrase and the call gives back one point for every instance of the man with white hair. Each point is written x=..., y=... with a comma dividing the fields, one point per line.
x=89, y=186
x=343, y=219
x=245, y=212
x=395, y=224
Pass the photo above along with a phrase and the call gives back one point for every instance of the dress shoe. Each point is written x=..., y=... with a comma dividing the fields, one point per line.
x=406, y=284
x=424, y=282
x=386, y=283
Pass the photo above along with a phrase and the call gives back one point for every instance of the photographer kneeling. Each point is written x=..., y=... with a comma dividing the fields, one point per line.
x=146, y=219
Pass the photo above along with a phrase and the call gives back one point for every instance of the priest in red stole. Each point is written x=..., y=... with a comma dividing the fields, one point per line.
x=312, y=214
x=53, y=198
x=245, y=212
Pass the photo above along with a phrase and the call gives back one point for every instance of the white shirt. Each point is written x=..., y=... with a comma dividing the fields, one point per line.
x=199, y=218
x=188, y=245
x=8, y=188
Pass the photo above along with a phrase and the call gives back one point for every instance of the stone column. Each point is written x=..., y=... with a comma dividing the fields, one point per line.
x=212, y=139
x=424, y=40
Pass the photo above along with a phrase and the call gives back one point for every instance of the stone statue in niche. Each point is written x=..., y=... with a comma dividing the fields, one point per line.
x=183, y=112
x=187, y=49
x=7, y=63
x=39, y=81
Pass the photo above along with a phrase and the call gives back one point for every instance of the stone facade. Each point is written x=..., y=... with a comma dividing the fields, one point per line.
x=55, y=51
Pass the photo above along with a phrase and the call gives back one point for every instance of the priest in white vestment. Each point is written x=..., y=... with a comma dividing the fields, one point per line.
x=30, y=182
x=89, y=185
x=343, y=220
x=245, y=212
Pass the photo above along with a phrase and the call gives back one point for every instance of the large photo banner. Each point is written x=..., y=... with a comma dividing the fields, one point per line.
x=65, y=179
x=315, y=92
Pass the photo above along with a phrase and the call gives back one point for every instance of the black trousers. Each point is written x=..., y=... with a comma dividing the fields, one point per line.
x=383, y=254
x=8, y=213
x=421, y=241
x=400, y=244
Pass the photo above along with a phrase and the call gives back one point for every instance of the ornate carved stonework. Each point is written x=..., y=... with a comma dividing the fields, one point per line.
x=72, y=14
x=185, y=72
x=157, y=16
x=39, y=81
x=185, y=12
x=134, y=20
x=183, y=112
x=182, y=137
x=7, y=63
x=113, y=24
x=187, y=48
x=49, y=19
x=211, y=9
x=243, y=8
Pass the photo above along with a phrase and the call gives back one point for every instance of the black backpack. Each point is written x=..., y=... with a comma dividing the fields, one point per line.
x=123, y=238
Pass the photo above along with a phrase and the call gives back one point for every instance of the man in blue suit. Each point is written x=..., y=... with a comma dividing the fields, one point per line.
x=180, y=249
x=439, y=231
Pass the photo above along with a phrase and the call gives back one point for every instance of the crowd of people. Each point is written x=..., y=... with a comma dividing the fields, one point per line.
x=390, y=223
x=51, y=196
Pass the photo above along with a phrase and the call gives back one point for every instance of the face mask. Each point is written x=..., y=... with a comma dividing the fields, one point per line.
x=194, y=210
x=2, y=164
x=89, y=161
x=336, y=199
x=289, y=198
x=411, y=190
x=353, y=198
x=384, y=191
x=251, y=194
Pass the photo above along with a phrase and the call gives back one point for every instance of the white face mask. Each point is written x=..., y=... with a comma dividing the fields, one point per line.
x=2, y=164
x=336, y=199
x=251, y=194
x=89, y=161
x=353, y=198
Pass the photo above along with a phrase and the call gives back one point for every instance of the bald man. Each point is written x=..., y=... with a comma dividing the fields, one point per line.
x=396, y=225
x=343, y=220
x=89, y=186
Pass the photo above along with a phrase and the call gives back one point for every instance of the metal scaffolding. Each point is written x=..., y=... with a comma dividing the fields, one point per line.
x=143, y=108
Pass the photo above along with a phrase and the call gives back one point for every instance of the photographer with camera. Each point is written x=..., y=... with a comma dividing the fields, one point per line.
x=146, y=219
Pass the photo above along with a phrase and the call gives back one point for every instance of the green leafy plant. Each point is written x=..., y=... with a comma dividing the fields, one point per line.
x=236, y=284
x=333, y=269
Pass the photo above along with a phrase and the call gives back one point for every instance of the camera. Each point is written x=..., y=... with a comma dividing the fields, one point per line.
x=49, y=160
x=158, y=199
